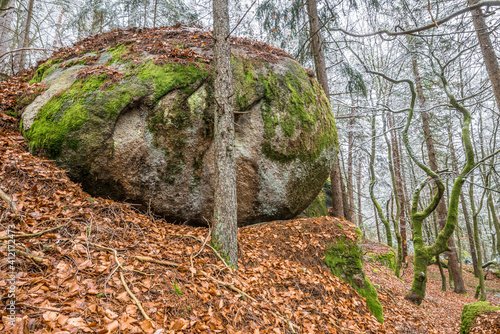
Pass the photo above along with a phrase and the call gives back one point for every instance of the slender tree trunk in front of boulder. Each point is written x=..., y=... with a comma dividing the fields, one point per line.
x=336, y=184
x=225, y=229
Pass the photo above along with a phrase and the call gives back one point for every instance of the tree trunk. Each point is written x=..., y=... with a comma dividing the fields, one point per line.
x=154, y=16
x=489, y=56
x=438, y=260
x=320, y=66
x=376, y=223
x=372, y=185
x=442, y=214
x=336, y=184
x=5, y=32
x=496, y=224
x=225, y=230
x=57, y=36
x=396, y=191
x=360, y=214
x=470, y=235
x=481, y=292
x=26, y=38
x=400, y=200
x=350, y=187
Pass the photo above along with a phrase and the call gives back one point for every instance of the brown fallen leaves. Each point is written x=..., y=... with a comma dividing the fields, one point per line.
x=440, y=311
x=78, y=286
x=104, y=247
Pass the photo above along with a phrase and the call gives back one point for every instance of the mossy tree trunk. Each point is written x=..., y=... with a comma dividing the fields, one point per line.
x=459, y=285
x=372, y=185
x=470, y=235
x=481, y=292
x=496, y=224
x=438, y=260
x=225, y=230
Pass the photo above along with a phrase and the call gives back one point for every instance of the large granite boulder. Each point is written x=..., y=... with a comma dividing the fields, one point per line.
x=133, y=124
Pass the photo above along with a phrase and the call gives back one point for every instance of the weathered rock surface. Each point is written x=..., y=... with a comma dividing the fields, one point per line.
x=129, y=126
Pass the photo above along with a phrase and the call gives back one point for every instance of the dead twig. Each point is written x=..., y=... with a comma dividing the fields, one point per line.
x=115, y=253
x=31, y=235
x=150, y=259
x=213, y=249
x=40, y=308
x=137, y=302
x=34, y=258
x=9, y=201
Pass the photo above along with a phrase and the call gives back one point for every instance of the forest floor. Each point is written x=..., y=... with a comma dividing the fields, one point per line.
x=102, y=267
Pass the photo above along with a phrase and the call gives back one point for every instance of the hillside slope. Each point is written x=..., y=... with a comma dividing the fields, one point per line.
x=74, y=278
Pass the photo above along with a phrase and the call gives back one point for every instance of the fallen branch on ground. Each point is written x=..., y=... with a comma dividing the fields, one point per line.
x=213, y=249
x=150, y=259
x=9, y=201
x=31, y=235
x=137, y=302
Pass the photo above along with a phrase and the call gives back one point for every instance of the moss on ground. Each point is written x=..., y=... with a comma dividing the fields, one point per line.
x=471, y=311
x=387, y=259
x=345, y=260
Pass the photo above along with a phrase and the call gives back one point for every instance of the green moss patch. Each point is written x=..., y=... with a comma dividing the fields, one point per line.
x=168, y=77
x=68, y=111
x=387, y=259
x=45, y=70
x=470, y=313
x=345, y=259
x=298, y=107
x=318, y=207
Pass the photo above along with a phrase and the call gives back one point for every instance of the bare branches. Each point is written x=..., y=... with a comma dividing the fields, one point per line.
x=23, y=49
x=433, y=24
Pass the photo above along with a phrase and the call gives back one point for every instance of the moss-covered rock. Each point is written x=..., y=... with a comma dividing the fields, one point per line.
x=345, y=259
x=318, y=207
x=132, y=126
x=470, y=313
x=387, y=259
